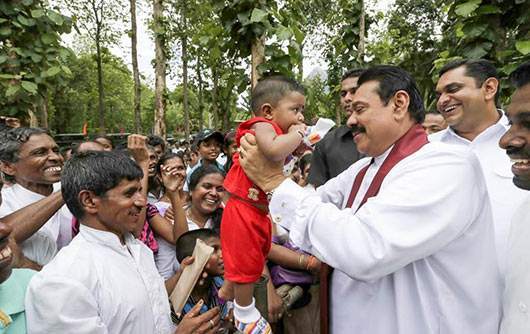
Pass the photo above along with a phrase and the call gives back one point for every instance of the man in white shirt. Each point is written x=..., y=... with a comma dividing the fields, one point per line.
x=105, y=281
x=468, y=94
x=408, y=229
x=516, y=142
x=41, y=222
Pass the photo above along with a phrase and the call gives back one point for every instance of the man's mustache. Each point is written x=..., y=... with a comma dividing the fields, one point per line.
x=518, y=151
x=357, y=128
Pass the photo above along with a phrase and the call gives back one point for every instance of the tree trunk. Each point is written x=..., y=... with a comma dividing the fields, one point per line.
x=160, y=69
x=360, y=48
x=101, y=106
x=257, y=58
x=214, y=99
x=33, y=120
x=338, y=109
x=136, y=73
x=201, y=102
x=226, y=116
x=44, y=110
x=184, y=42
x=301, y=64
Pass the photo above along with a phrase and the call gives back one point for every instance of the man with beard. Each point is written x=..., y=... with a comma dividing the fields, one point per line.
x=516, y=142
x=41, y=223
x=407, y=259
x=468, y=96
x=337, y=150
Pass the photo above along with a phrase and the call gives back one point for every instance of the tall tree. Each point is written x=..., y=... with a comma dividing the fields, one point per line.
x=160, y=68
x=99, y=19
x=136, y=73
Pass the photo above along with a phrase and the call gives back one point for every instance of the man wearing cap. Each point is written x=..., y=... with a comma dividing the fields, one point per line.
x=209, y=143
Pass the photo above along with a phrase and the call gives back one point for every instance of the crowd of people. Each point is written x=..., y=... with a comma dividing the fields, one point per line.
x=401, y=220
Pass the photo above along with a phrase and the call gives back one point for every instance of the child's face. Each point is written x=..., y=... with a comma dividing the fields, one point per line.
x=231, y=148
x=289, y=110
x=215, y=265
x=209, y=149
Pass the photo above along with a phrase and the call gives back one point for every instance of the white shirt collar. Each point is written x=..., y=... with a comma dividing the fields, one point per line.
x=502, y=124
x=104, y=237
x=381, y=158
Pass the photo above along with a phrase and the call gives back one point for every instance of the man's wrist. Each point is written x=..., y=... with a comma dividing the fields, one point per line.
x=273, y=183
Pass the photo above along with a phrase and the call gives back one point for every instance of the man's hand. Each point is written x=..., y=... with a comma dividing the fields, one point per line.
x=11, y=121
x=265, y=173
x=207, y=323
x=136, y=144
x=275, y=304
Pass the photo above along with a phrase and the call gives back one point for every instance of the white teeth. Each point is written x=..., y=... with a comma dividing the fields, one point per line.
x=449, y=108
x=524, y=161
x=54, y=169
x=5, y=253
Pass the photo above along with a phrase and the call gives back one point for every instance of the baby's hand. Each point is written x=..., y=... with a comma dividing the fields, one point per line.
x=297, y=127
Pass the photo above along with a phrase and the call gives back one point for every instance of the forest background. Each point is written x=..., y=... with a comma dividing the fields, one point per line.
x=59, y=67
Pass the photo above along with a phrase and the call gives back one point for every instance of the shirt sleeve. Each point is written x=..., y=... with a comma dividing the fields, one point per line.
x=59, y=305
x=417, y=212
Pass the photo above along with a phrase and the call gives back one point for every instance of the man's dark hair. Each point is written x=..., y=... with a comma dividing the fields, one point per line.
x=194, y=149
x=478, y=69
x=353, y=73
x=111, y=141
x=12, y=141
x=305, y=160
x=97, y=171
x=521, y=75
x=391, y=80
x=77, y=146
x=186, y=242
x=272, y=90
x=155, y=141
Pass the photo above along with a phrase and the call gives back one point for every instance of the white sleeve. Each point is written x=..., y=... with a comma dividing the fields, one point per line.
x=60, y=305
x=420, y=208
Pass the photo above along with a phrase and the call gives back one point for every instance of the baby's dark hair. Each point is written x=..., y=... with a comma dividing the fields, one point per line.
x=186, y=242
x=271, y=90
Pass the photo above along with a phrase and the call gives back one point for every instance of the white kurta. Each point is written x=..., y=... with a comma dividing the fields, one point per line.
x=97, y=285
x=417, y=258
x=504, y=195
x=516, y=318
x=56, y=233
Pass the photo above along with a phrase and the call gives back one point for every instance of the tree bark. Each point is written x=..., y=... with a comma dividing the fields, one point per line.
x=184, y=42
x=101, y=105
x=214, y=98
x=257, y=58
x=201, y=101
x=360, y=48
x=338, y=109
x=44, y=110
x=160, y=69
x=136, y=73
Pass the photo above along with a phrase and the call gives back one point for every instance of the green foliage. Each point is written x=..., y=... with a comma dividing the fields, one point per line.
x=31, y=56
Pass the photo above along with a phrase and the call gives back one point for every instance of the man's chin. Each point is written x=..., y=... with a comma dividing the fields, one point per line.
x=521, y=183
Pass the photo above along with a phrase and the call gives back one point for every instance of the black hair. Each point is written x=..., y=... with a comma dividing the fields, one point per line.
x=155, y=141
x=230, y=138
x=77, y=146
x=391, y=80
x=187, y=241
x=521, y=75
x=111, y=141
x=353, y=73
x=271, y=90
x=479, y=69
x=194, y=149
x=166, y=157
x=12, y=141
x=304, y=161
x=97, y=171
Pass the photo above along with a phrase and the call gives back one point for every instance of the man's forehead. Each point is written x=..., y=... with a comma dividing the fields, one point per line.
x=455, y=75
x=349, y=83
x=38, y=140
x=367, y=90
x=520, y=101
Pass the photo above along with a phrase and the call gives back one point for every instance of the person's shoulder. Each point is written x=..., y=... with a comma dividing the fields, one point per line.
x=438, y=136
x=444, y=154
x=73, y=261
x=23, y=275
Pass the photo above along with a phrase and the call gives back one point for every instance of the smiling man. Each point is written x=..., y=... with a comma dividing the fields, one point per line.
x=105, y=281
x=402, y=252
x=40, y=221
x=468, y=97
x=516, y=142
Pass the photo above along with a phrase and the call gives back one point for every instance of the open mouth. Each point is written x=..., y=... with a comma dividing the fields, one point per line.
x=5, y=254
x=450, y=108
x=520, y=165
x=53, y=169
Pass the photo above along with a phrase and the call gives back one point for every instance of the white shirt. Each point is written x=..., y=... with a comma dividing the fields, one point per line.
x=504, y=195
x=516, y=318
x=416, y=258
x=166, y=260
x=97, y=285
x=56, y=233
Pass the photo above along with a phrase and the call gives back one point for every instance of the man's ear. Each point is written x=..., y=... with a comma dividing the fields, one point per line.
x=401, y=101
x=8, y=168
x=89, y=202
x=490, y=88
x=266, y=111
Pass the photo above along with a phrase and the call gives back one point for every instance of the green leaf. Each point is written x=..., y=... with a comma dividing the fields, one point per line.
x=12, y=90
x=23, y=20
x=53, y=71
x=3, y=58
x=7, y=76
x=48, y=38
x=509, y=68
x=283, y=33
x=56, y=18
x=258, y=15
x=243, y=18
x=298, y=35
x=467, y=8
x=203, y=40
x=36, y=57
x=523, y=47
x=488, y=9
x=66, y=70
x=5, y=31
x=474, y=30
x=27, y=2
x=444, y=54
x=215, y=53
x=2, y=20
x=29, y=86
x=36, y=13
x=478, y=50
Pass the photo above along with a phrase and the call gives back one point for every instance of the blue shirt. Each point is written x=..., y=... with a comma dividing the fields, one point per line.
x=12, y=294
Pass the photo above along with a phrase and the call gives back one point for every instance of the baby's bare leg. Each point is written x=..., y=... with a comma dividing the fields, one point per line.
x=227, y=291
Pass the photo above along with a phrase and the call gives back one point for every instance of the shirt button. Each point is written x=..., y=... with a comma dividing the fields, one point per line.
x=278, y=218
x=522, y=307
x=283, y=204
